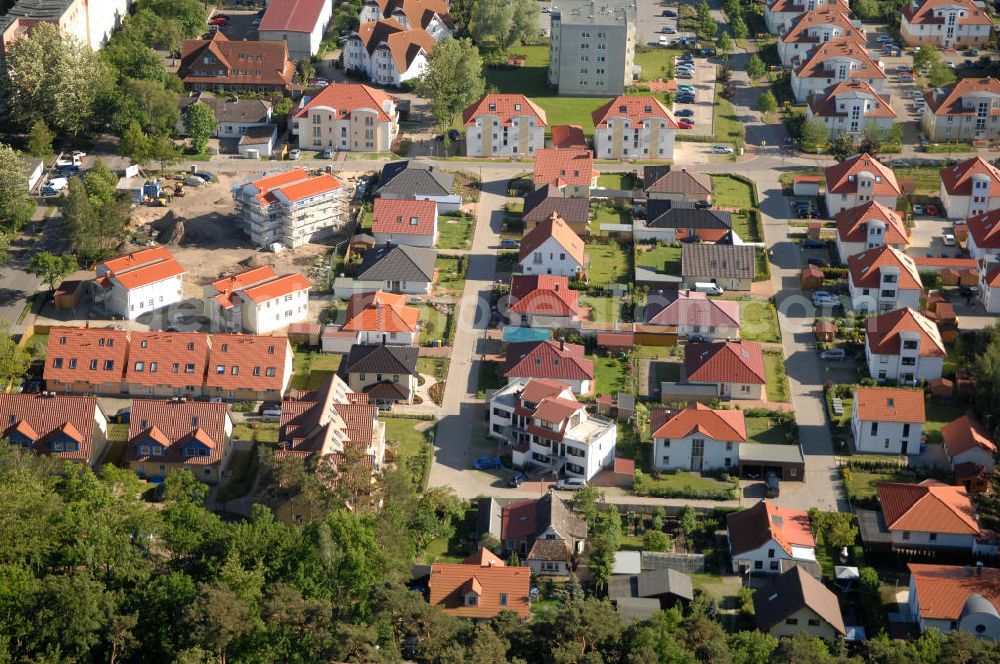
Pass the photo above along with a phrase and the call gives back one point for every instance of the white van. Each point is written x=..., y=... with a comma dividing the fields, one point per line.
x=710, y=288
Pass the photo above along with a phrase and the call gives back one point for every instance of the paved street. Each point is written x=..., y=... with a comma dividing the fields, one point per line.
x=16, y=285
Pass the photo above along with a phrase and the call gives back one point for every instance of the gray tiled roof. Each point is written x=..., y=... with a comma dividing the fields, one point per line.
x=381, y=359
x=553, y=511
x=542, y=202
x=409, y=177
x=390, y=262
x=667, y=180
x=250, y=111
x=654, y=583
x=681, y=214
x=792, y=591
x=718, y=260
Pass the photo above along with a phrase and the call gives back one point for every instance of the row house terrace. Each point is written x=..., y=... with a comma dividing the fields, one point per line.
x=72, y=428
x=178, y=434
x=220, y=65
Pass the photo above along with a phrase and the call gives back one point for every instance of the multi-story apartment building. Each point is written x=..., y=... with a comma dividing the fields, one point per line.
x=291, y=208
x=965, y=111
x=944, y=23
x=780, y=14
x=504, y=125
x=226, y=66
x=592, y=50
x=836, y=62
x=629, y=127
x=984, y=236
x=140, y=282
x=970, y=188
x=387, y=52
x=348, y=116
x=299, y=23
x=257, y=301
x=857, y=180
x=821, y=25
x=850, y=107
x=546, y=426
x=904, y=346
x=883, y=279
x=88, y=21
x=431, y=16
x=869, y=226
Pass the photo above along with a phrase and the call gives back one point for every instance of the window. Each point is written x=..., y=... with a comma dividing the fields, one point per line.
x=906, y=534
x=770, y=553
x=814, y=622
x=874, y=428
x=758, y=564
x=220, y=369
x=503, y=599
x=139, y=366
x=791, y=621
x=933, y=537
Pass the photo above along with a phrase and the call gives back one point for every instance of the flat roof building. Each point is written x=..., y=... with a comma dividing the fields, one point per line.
x=592, y=51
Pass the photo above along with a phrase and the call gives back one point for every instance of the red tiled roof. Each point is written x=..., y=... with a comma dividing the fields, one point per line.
x=824, y=104
x=81, y=354
x=984, y=229
x=851, y=223
x=346, y=98
x=260, y=362
x=693, y=308
x=866, y=268
x=928, y=507
x=890, y=404
x=957, y=179
x=499, y=588
x=418, y=12
x=949, y=102
x=547, y=359
x=261, y=62
x=564, y=167
x=259, y=285
x=798, y=6
x=545, y=295
x=924, y=13
x=518, y=520
x=537, y=389
x=720, y=425
x=753, y=527
x=725, y=362
x=959, y=265
x=993, y=275
x=404, y=217
x=174, y=359
x=568, y=136
x=838, y=176
x=506, y=107
x=556, y=409
x=964, y=434
x=292, y=15
x=141, y=268
x=634, y=108
x=616, y=339
x=823, y=16
x=882, y=333
x=815, y=64
x=943, y=590
x=42, y=419
x=404, y=44
x=175, y=424
x=380, y=311
x=556, y=228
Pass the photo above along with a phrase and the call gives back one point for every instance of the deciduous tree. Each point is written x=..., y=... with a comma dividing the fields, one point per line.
x=767, y=103
x=740, y=30
x=814, y=135
x=199, y=119
x=51, y=268
x=725, y=44
x=453, y=79
x=755, y=67
x=16, y=207
x=842, y=147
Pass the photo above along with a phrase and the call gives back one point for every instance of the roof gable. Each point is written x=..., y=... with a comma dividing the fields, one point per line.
x=558, y=230
x=883, y=333
x=726, y=362
x=843, y=178
x=505, y=107
x=852, y=223
x=720, y=425
x=547, y=359
x=931, y=507
x=569, y=167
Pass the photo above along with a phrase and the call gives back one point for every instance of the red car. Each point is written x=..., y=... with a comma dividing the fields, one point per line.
x=931, y=210
x=684, y=124
x=219, y=20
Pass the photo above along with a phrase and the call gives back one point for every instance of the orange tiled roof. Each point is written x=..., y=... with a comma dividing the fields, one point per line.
x=883, y=331
x=824, y=104
x=419, y=13
x=279, y=287
x=866, y=268
x=140, y=268
x=498, y=587
x=725, y=362
x=636, y=109
x=259, y=361
x=957, y=179
x=314, y=186
x=564, y=167
x=346, y=98
x=545, y=295
x=83, y=354
x=258, y=285
x=554, y=227
x=798, y=6
x=984, y=229
x=753, y=527
x=721, y=425
x=928, y=507
x=174, y=359
x=568, y=136
x=851, y=223
x=244, y=62
x=404, y=44
x=175, y=424
x=943, y=590
x=890, y=404
x=948, y=101
x=964, y=434
x=924, y=13
x=822, y=16
x=42, y=419
x=404, y=216
x=838, y=177
x=506, y=107
x=815, y=64
x=537, y=389
x=380, y=311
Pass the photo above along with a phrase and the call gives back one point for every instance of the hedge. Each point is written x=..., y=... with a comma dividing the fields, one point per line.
x=642, y=488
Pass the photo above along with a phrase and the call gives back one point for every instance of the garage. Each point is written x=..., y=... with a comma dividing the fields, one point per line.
x=758, y=459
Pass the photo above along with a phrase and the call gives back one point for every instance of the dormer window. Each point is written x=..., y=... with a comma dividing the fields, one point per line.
x=144, y=344
x=471, y=599
x=517, y=107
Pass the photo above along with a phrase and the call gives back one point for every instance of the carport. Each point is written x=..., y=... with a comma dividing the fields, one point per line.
x=784, y=460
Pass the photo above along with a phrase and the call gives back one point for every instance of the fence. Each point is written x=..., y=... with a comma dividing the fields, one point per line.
x=689, y=563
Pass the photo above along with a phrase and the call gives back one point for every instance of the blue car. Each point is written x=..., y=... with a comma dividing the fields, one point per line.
x=486, y=463
x=516, y=478
x=685, y=113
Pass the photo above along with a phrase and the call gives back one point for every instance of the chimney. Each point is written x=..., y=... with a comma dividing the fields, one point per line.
x=562, y=344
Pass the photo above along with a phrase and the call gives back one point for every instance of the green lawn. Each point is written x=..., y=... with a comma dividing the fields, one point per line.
x=654, y=60
x=861, y=485
x=602, y=309
x=602, y=214
x=264, y=432
x=451, y=273
x=489, y=376
x=685, y=481
x=401, y=433
x=455, y=232
x=940, y=413
x=435, y=325
x=243, y=466
x=759, y=321
x=433, y=366
x=764, y=430
x=610, y=375
x=312, y=370
x=777, y=380
x=617, y=181
x=727, y=123
x=741, y=224
x=662, y=258
x=927, y=179
x=37, y=345
x=609, y=263
x=729, y=192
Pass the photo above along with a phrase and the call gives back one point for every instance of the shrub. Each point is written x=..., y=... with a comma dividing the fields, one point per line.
x=656, y=540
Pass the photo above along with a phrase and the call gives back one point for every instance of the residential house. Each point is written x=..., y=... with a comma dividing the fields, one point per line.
x=736, y=368
x=414, y=223
x=836, y=62
x=728, y=265
x=780, y=14
x=431, y=16
x=568, y=137
x=569, y=170
x=697, y=438
x=952, y=598
x=904, y=346
x=592, y=54
x=970, y=450
x=798, y=603
x=869, y=226
x=166, y=364
x=851, y=107
x=678, y=184
x=380, y=318
x=767, y=539
x=693, y=313
x=983, y=239
x=257, y=301
x=989, y=286
x=140, y=282
x=177, y=434
x=883, y=279
x=33, y=171
x=970, y=188
x=235, y=116
x=542, y=301
x=857, y=180
x=299, y=23
x=638, y=596
x=552, y=360
x=966, y=110
x=88, y=360
x=92, y=23
x=829, y=23
x=886, y=420
x=396, y=268
x=670, y=220
x=418, y=180
x=546, y=426
x=634, y=127
x=220, y=65
x=552, y=247
x=258, y=142
x=347, y=117
x=73, y=428
x=541, y=203
x=929, y=516
x=481, y=587
x=504, y=125
x=291, y=208
x=546, y=528
x=945, y=23
x=387, y=52
x=387, y=374
x=247, y=367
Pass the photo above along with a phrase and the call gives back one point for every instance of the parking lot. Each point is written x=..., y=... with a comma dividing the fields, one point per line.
x=704, y=97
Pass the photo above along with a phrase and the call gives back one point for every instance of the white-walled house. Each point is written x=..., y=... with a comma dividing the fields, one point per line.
x=546, y=426
x=550, y=360
x=836, y=62
x=967, y=110
x=387, y=52
x=944, y=23
x=412, y=222
x=691, y=312
x=735, y=368
x=857, y=180
x=904, y=346
x=983, y=240
x=381, y=318
x=883, y=279
x=966, y=441
x=140, y=282
x=504, y=125
x=347, y=117
x=929, y=516
x=299, y=23
x=970, y=188
x=766, y=539
x=818, y=26
x=989, y=286
x=780, y=14
x=887, y=420
x=697, y=438
x=552, y=247
x=869, y=226
x=634, y=127
x=851, y=107
x=257, y=301
x=952, y=598
x=431, y=16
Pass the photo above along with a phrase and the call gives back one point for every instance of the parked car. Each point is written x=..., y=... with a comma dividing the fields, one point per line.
x=669, y=13
x=516, y=478
x=685, y=124
x=813, y=244
x=883, y=38
x=508, y=243
x=918, y=209
x=54, y=186
x=685, y=113
x=931, y=210
x=906, y=77
x=949, y=64
x=833, y=355
x=892, y=51
x=708, y=51
x=722, y=149
x=294, y=154
x=968, y=291
x=667, y=30
x=902, y=68
x=685, y=74
x=486, y=463
x=571, y=484
x=772, y=487
x=219, y=21
x=684, y=99
x=972, y=53
x=701, y=205
x=698, y=339
x=949, y=240
x=328, y=153
x=818, y=262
